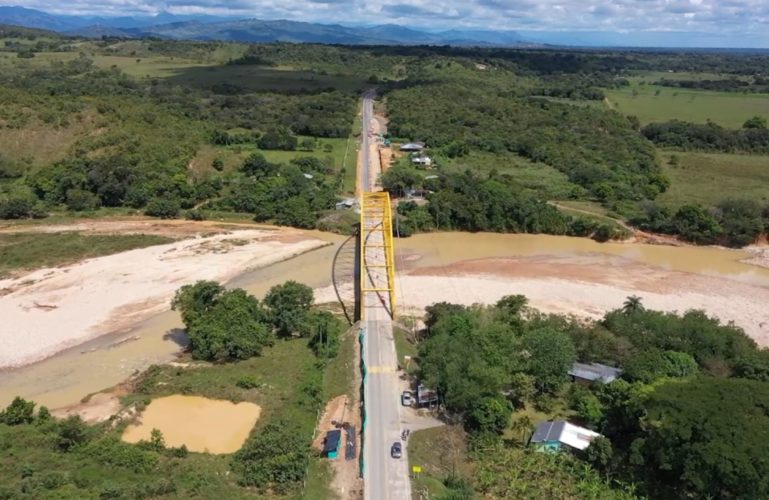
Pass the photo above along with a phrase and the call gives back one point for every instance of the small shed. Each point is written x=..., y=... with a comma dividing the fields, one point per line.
x=587, y=373
x=331, y=443
x=412, y=146
x=554, y=435
x=426, y=397
x=422, y=160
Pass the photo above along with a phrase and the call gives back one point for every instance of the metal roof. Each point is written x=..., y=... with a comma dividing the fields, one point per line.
x=565, y=433
x=412, y=146
x=332, y=440
x=595, y=371
x=548, y=431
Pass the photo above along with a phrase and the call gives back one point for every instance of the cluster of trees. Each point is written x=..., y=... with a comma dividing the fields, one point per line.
x=468, y=202
x=755, y=85
x=225, y=325
x=734, y=223
x=293, y=195
x=687, y=136
x=149, y=132
x=597, y=149
x=482, y=361
x=682, y=420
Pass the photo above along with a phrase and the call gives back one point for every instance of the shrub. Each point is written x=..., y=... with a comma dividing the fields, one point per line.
x=165, y=208
x=20, y=411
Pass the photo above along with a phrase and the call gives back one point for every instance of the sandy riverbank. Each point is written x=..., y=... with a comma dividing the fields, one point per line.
x=584, y=286
x=49, y=310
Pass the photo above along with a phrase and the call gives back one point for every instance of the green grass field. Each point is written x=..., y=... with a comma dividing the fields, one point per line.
x=343, y=155
x=539, y=177
x=710, y=178
x=728, y=109
x=22, y=251
x=440, y=452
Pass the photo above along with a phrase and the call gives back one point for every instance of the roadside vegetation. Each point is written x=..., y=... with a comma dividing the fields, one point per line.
x=26, y=251
x=47, y=457
x=688, y=383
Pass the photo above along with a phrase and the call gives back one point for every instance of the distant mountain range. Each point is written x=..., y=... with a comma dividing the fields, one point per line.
x=247, y=30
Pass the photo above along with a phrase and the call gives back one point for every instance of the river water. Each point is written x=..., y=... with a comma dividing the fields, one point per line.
x=104, y=362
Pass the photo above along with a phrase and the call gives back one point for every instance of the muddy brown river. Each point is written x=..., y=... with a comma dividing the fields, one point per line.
x=69, y=376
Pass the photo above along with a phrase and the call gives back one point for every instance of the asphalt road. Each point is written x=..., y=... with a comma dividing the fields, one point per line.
x=384, y=477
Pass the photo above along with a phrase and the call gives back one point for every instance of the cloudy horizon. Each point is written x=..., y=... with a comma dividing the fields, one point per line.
x=723, y=23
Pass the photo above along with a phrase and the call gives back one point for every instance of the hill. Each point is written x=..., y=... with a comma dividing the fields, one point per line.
x=176, y=27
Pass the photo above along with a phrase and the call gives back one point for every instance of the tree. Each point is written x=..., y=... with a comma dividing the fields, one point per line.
x=71, y=432
x=589, y=409
x=222, y=324
x=307, y=144
x=511, y=307
x=193, y=301
x=490, y=416
x=755, y=122
x=599, y=454
x=233, y=328
x=398, y=179
x=20, y=208
x=707, y=437
x=289, y=304
x=20, y=411
x=163, y=207
x=81, y=200
x=695, y=224
x=324, y=330
x=550, y=355
x=632, y=305
x=256, y=165
x=278, y=138
x=523, y=426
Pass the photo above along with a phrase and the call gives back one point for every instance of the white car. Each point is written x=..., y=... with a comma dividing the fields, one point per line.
x=407, y=399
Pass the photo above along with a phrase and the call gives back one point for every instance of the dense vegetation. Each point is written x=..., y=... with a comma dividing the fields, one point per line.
x=174, y=129
x=466, y=201
x=752, y=138
x=735, y=222
x=44, y=457
x=598, y=150
x=755, y=84
x=670, y=422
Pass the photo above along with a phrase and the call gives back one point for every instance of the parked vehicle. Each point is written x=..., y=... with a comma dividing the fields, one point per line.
x=396, y=451
x=407, y=399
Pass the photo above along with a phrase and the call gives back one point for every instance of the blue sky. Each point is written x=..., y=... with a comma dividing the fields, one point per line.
x=723, y=22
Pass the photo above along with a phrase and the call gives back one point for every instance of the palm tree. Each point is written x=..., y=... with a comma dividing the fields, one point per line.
x=632, y=305
x=522, y=426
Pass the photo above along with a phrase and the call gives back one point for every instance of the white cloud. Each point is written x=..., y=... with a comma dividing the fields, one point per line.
x=733, y=18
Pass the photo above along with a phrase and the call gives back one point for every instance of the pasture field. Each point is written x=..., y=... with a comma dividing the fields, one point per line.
x=539, y=177
x=652, y=103
x=708, y=178
x=343, y=155
x=440, y=452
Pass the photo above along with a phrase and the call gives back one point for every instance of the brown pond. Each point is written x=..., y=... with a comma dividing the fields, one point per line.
x=200, y=424
x=104, y=362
